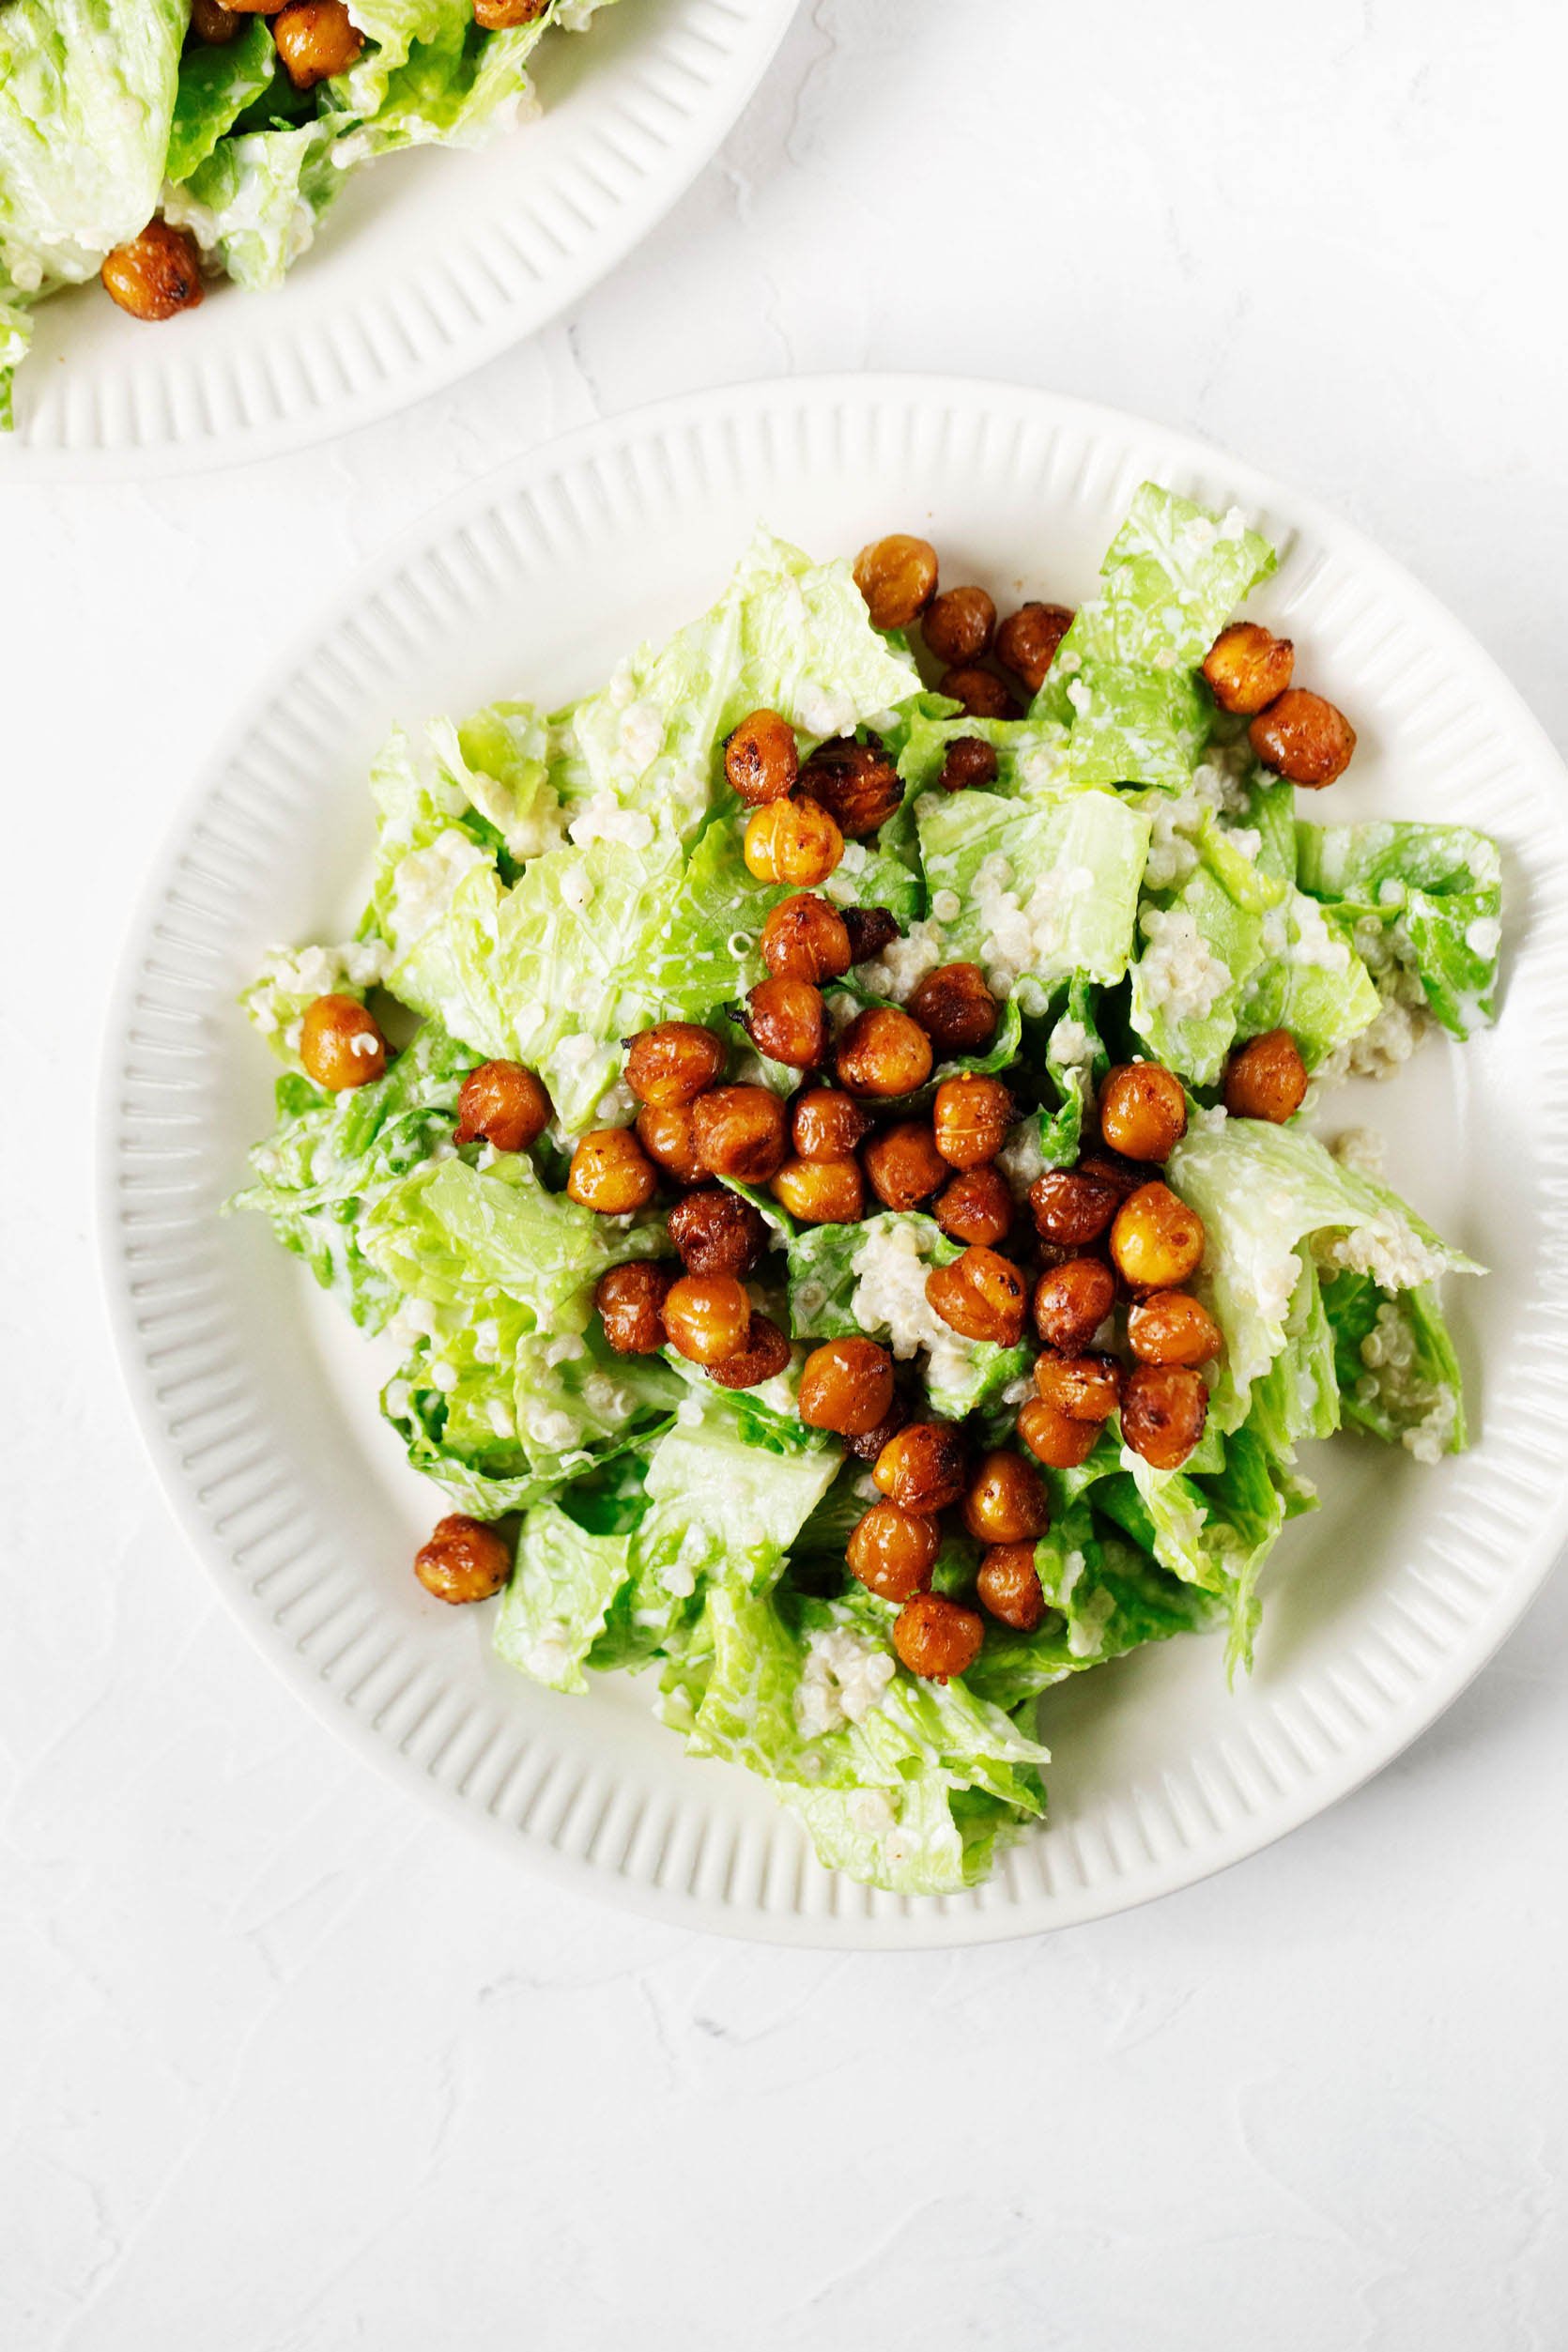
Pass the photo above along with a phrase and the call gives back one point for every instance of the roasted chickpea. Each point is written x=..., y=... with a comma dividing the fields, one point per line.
x=1108, y=1167
x=1267, y=1078
x=1084, y=1388
x=977, y=692
x=855, y=782
x=707, y=1316
x=1005, y=1502
x=793, y=842
x=1027, y=640
x=340, y=1043
x=315, y=39
x=827, y=1124
x=1073, y=1206
x=611, y=1172
x=1157, y=1242
x=1055, y=1438
x=867, y=1448
x=982, y=1295
x=1248, y=666
x=976, y=1206
x=805, y=938
x=846, y=1386
x=669, y=1138
x=211, y=22
x=1009, y=1587
x=921, y=1468
x=630, y=1301
x=761, y=759
x=1143, y=1110
x=500, y=16
x=968, y=764
x=893, y=1551
x=1173, y=1327
x=958, y=625
x=673, y=1062
x=883, y=1053
x=764, y=1355
x=503, y=1104
x=717, y=1232
x=903, y=1165
x=821, y=1191
x=156, y=274
x=971, y=1117
x=956, y=1009
x=897, y=576
x=464, y=1561
x=1071, y=1301
x=740, y=1132
x=936, y=1637
x=1304, y=738
x=788, y=1020
x=1164, y=1410
x=871, y=929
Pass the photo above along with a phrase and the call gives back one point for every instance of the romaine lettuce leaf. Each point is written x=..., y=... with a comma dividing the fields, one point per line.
x=254, y=204
x=1397, y=1371
x=1427, y=898
x=870, y=1278
x=218, y=80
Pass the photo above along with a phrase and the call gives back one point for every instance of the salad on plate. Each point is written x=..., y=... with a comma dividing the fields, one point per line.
x=821, y=1131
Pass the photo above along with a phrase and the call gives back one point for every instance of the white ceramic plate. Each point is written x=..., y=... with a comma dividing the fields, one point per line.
x=430, y=263
x=259, y=1407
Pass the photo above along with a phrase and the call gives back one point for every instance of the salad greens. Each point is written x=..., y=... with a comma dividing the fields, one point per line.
x=1133, y=883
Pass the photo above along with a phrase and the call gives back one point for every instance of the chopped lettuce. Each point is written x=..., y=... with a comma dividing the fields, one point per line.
x=1424, y=898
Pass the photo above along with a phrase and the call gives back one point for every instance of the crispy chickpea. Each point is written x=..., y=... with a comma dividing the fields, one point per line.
x=1173, y=1327
x=156, y=274
x=788, y=1020
x=1108, y=1167
x=982, y=1295
x=1005, y=1502
x=630, y=1302
x=856, y=783
x=669, y=1138
x=673, y=1062
x=1055, y=1438
x=763, y=1356
x=971, y=1117
x=1157, y=1242
x=211, y=22
x=315, y=39
x=976, y=1206
x=977, y=692
x=958, y=625
x=956, y=1009
x=821, y=1191
x=793, y=842
x=464, y=1561
x=707, y=1316
x=503, y=1104
x=1072, y=1207
x=903, y=1165
x=1267, y=1078
x=921, y=1468
x=827, y=1124
x=1142, y=1109
x=740, y=1132
x=897, y=576
x=936, y=1637
x=611, y=1172
x=883, y=1053
x=500, y=16
x=871, y=929
x=1073, y=1300
x=1303, y=737
x=892, y=1552
x=717, y=1232
x=761, y=759
x=1164, y=1410
x=1247, y=666
x=846, y=1386
x=1027, y=640
x=805, y=938
x=867, y=1448
x=1009, y=1587
x=970, y=764
x=341, y=1044
x=1084, y=1388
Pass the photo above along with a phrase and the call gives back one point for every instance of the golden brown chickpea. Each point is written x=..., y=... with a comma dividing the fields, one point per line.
x=921, y=1468
x=1071, y=1301
x=764, y=1357
x=156, y=274
x=969, y=765
x=611, y=1172
x=867, y=1448
x=717, y=1232
x=504, y=1104
x=340, y=1044
x=672, y=1064
x=976, y=1206
x=1005, y=1502
x=1157, y=1242
x=977, y=692
x=1247, y=666
x=761, y=759
x=904, y=1166
x=958, y=625
x=1267, y=1078
x=1084, y=1388
x=956, y=1009
x=1073, y=1206
x=1026, y=641
x=630, y=1301
x=740, y=1132
x=788, y=1020
x=1164, y=1410
x=707, y=1316
x=856, y=783
x=211, y=22
x=1108, y=1167
x=464, y=1561
x=827, y=1124
x=793, y=842
x=897, y=576
x=821, y=1191
x=668, y=1138
x=1054, y=1438
x=883, y=1053
x=981, y=1296
x=1009, y=1587
x=805, y=938
x=500, y=16
x=892, y=1552
x=1303, y=737
x=1171, y=1326
x=971, y=1117
x=846, y=1386
x=871, y=929
x=1143, y=1110
x=936, y=1637
x=315, y=39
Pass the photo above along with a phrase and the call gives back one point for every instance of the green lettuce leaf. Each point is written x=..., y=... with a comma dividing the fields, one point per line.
x=870, y=1278
x=1424, y=898
x=254, y=204
x=218, y=80
x=1395, y=1365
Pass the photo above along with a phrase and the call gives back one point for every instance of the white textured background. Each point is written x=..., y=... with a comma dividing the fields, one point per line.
x=286, y=2067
